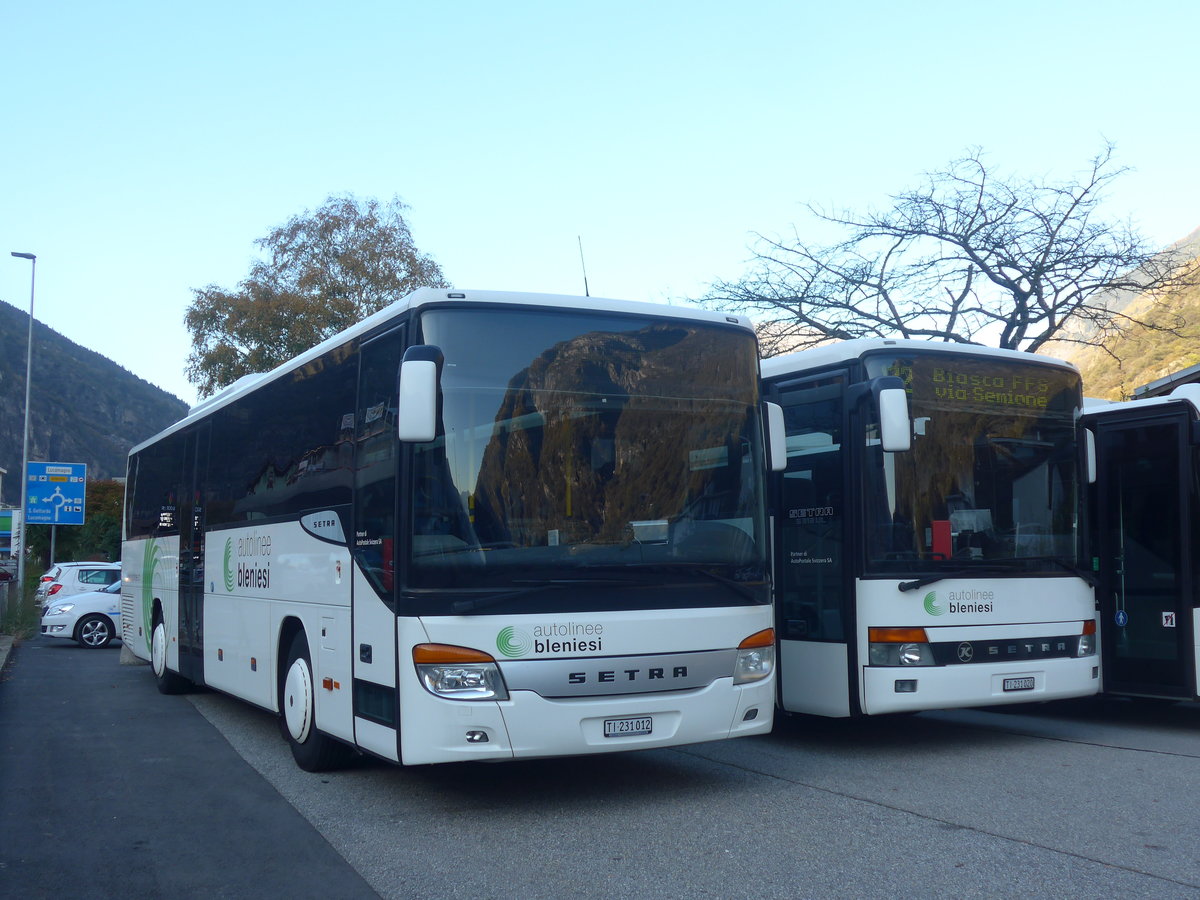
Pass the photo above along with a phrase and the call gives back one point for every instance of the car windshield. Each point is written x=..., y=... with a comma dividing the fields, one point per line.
x=584, y=444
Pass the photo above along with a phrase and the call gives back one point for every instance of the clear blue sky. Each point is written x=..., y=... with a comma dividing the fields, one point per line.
x=145, y=146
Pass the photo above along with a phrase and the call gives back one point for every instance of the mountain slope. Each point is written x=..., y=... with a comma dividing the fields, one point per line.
x=84, y=407
x=1141, y=356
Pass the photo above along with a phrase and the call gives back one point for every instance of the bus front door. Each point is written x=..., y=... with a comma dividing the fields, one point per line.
x=1143, y=536
x=191, y=555
x=814, y=609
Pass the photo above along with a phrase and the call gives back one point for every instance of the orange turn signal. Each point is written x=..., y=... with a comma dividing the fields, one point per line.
x=448, y=654
x=764, y=638
x=897, y=636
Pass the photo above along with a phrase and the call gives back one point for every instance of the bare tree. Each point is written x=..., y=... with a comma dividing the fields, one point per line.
x=967, y=257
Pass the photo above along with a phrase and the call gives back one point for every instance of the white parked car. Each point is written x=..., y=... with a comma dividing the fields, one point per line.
x=92, y=618
x=63, y=580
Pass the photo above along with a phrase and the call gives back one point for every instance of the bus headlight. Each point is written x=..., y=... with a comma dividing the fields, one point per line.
x=899, y=647
x=458, y=673
x=1087, y=640
x=755, y=658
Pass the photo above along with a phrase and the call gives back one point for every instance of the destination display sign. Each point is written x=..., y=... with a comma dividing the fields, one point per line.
x=984, y=382
x=1014, y=389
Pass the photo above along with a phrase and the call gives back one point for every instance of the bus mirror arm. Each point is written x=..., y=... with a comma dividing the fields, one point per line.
x=418, y=387
x=891, y=402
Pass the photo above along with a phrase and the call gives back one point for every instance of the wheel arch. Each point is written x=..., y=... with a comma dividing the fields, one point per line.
x=288, y=629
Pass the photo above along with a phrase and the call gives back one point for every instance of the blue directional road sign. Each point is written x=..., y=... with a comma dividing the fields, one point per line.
x=56, y=492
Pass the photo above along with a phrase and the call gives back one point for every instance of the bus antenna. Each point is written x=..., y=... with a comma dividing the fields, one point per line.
x=583, y=266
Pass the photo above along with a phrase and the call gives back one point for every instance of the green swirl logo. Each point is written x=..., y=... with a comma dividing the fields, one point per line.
x=931, y=604
x=513, y=641
x=229, y=565
x=150, y=561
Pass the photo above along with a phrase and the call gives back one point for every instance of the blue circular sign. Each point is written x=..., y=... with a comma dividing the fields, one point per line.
x=1122, y=618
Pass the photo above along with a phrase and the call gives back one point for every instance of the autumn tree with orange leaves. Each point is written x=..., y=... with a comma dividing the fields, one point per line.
x=323, y=271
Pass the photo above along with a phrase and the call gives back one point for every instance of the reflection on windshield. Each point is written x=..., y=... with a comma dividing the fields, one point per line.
x=992, y=473
x=575, y=441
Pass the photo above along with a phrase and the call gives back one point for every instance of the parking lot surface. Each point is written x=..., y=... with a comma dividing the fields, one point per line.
x=196, y=795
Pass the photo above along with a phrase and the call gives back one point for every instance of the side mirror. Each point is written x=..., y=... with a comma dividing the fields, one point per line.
x=1090, y=449
x=895, y=428
x=420, y=375
x=776, y=437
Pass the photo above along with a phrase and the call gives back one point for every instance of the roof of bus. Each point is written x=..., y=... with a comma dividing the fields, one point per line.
x=427, y=296
x=1094, y=407
x=844, y=351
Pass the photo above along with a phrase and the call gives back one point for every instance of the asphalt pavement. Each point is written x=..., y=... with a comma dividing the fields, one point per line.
x=109, y=789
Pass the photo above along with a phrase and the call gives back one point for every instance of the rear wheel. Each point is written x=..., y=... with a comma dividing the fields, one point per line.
x=94, y=631
x=312, y=750
x=168, y=682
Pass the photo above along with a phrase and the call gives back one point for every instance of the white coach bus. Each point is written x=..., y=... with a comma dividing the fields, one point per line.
x=928, y=529
x=1145, y=529
x=475, y=526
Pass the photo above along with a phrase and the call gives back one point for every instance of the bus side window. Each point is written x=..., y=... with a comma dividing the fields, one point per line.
x=376, y=460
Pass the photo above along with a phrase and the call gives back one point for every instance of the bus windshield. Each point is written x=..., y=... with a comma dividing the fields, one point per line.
x=992, y=476
x=587, y=459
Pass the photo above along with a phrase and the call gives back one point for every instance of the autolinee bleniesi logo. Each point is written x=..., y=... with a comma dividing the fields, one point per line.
x=248, y=561
x=972, y=601
x=229, y=565
x=556, y=638
x=513, y=641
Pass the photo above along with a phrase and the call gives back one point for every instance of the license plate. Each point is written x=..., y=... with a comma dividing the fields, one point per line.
x=628, y=726
x=1019, y=684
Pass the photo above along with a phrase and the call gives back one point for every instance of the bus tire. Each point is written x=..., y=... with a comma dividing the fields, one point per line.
x=94, y=631
x=168, y=682
x=312, y=750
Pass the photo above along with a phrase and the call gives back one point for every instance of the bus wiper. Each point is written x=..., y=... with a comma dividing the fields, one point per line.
x=740, y=589
x=921, y=582
x=1087, y=576
x=958, y=573
x=461, y=607
x=997, y=570
x=528, y=586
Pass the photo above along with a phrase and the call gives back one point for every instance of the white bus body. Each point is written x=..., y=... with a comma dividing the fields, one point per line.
x=566, y=553
x=1144, y=518
x=928, y=559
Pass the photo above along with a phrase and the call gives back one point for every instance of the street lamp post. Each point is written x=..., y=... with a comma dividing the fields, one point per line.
x=25, y=443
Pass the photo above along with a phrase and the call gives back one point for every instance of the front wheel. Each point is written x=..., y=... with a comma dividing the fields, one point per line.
x=168, y=682
x=94, y=631
x=312, y=750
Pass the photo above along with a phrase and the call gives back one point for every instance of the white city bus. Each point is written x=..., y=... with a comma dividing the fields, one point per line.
x=1145, y=543
x=927, y=529
x=474, y=526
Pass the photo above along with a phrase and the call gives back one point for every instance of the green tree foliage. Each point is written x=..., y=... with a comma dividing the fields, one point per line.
x=99, y=538
x=324, y=271
x=969, y=257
